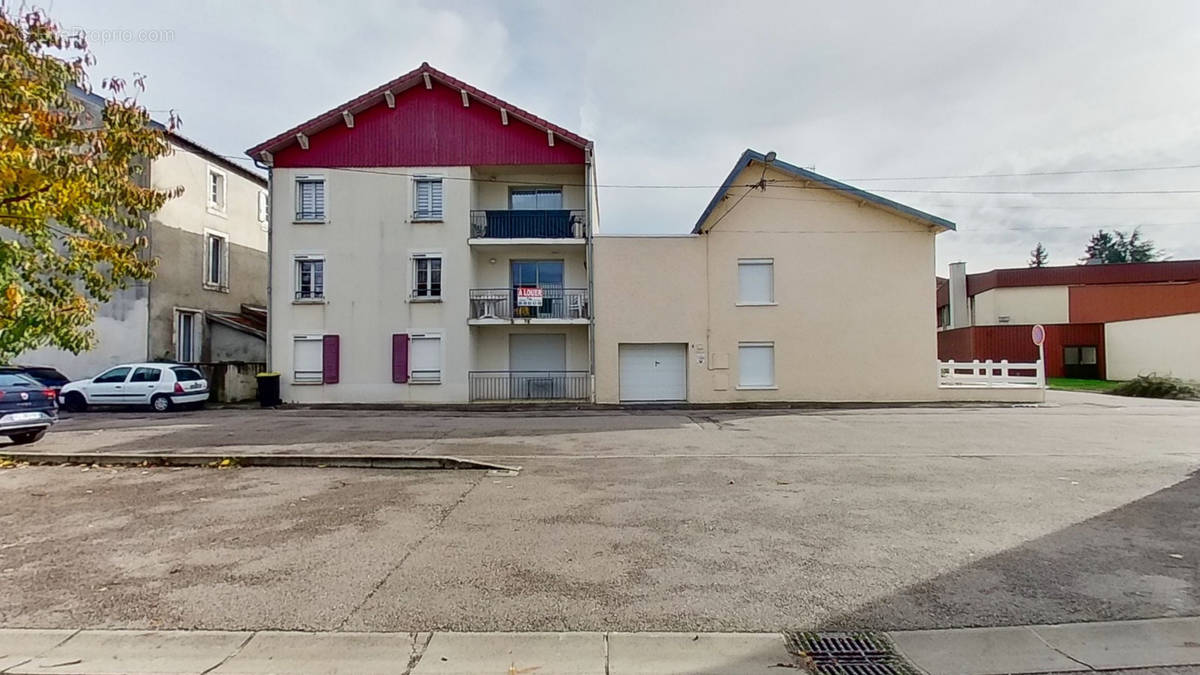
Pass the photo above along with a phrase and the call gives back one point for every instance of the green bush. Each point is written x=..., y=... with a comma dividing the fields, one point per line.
x=1156, y=386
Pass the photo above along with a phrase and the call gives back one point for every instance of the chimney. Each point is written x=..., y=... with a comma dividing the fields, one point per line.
x=960, y=315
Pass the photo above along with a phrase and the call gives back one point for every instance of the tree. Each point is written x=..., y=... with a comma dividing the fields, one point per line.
x=1118, y=247
x=1039, y=256
x=73, y=193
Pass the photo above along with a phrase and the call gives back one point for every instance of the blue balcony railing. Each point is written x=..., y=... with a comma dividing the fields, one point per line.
x=531, y=224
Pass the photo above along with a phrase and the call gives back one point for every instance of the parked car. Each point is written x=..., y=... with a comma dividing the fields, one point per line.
x=43, y=374
x=161, y=386
x=26, y=408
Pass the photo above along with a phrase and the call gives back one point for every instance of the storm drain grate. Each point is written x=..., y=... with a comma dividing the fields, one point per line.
x=848, y=654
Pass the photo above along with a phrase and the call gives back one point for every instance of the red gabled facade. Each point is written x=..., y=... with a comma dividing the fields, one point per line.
x=429, y=125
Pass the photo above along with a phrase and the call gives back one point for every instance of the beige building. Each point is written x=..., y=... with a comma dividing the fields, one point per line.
x=211, y=247
x=792, y=287
x=406, y=267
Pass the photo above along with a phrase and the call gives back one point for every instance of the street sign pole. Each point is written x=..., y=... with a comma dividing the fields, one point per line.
x=1039, y=338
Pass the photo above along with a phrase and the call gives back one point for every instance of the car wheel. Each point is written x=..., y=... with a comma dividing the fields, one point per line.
x=75, y=402
x=27, y=437
x=161, y=403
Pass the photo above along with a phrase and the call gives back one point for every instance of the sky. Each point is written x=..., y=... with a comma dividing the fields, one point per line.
x=672, y=93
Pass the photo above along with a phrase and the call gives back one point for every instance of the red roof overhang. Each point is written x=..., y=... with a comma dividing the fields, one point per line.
x=377, y=96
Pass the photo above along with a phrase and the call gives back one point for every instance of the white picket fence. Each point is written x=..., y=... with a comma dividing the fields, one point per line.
x=991, y=374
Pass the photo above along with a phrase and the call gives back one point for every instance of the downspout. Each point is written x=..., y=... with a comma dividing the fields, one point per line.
x=270, y=257
x=589, y=232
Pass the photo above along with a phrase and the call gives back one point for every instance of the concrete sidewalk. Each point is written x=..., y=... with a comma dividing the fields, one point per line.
x=972, y=651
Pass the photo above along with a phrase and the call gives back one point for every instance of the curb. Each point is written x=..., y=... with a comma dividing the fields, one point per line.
x=310, y=461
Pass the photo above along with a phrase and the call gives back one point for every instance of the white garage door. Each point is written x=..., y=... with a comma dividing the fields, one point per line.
x=654, y=372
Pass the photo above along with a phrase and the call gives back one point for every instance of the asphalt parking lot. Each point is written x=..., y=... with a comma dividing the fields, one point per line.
x=661, y=520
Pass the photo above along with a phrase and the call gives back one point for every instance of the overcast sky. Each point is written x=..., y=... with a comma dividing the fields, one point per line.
x=672, y=92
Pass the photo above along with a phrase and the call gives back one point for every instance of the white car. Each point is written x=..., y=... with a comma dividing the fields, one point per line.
x=158, y=385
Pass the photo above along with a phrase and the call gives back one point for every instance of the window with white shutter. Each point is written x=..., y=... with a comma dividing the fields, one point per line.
x=425, y=358
x=427, y=201
x=756, y=365
x=307, y=359
x=310, y=199
x=756, y=281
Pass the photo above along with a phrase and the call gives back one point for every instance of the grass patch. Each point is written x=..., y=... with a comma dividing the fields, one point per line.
x=1075, y=384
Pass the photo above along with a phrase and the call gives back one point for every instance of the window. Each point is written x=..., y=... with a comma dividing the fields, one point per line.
x=1079, y=356
x=310, y=278
x=756, y=281
x=216, y=259
x=425, y=358
x=310, y=199
x=427, y=203
x=116, y=375
x=427, y=276
x=262, y=210
x=307, y=359
x=187, y=325
x=186, y=374
x=524, y=199
x=216, y=189
x=756, y=365
x=943, y=316
x=146, y=375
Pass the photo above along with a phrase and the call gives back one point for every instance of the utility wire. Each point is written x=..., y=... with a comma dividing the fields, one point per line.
x=779, y=183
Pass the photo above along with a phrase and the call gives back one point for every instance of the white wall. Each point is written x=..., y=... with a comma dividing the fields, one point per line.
x=1023, y=305
x=120, y=328
x=1168, y=345
x=190, y=212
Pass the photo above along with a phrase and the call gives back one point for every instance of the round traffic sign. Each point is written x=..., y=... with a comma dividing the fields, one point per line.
x=1039, y=335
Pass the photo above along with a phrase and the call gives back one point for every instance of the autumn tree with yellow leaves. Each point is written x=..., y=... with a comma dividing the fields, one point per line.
x=74, y=194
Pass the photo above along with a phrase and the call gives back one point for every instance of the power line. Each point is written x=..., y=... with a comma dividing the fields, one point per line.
x=1069, y=172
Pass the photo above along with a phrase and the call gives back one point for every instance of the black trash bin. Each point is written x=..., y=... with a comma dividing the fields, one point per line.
x=268, y=390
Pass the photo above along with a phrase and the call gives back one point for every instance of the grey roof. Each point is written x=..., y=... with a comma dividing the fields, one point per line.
x=98, y=101
x=751, y=156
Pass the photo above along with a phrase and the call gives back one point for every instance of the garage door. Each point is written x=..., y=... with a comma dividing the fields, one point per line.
x=653, y=372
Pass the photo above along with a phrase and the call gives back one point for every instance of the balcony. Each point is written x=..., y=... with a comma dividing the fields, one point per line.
x=529, y=226
x=530, y=304
x=528, y=385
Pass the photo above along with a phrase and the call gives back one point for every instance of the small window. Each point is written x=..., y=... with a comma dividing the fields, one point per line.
x=307, y=359
x=216, y=259
x=756, y=364
x=146, y=375
x=113, y=376
x=427, y=202
x=262, y=210
x=539, y=199
x=310, y=199
x=310, y=278
x=1079, y=356
x=425, y=358
x=427, y=277
x=756, y=281
x=187, y=374
x=216, y=189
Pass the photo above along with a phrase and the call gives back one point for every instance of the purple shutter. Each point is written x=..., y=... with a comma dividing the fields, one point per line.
x=400, y=357
x=329, y=358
